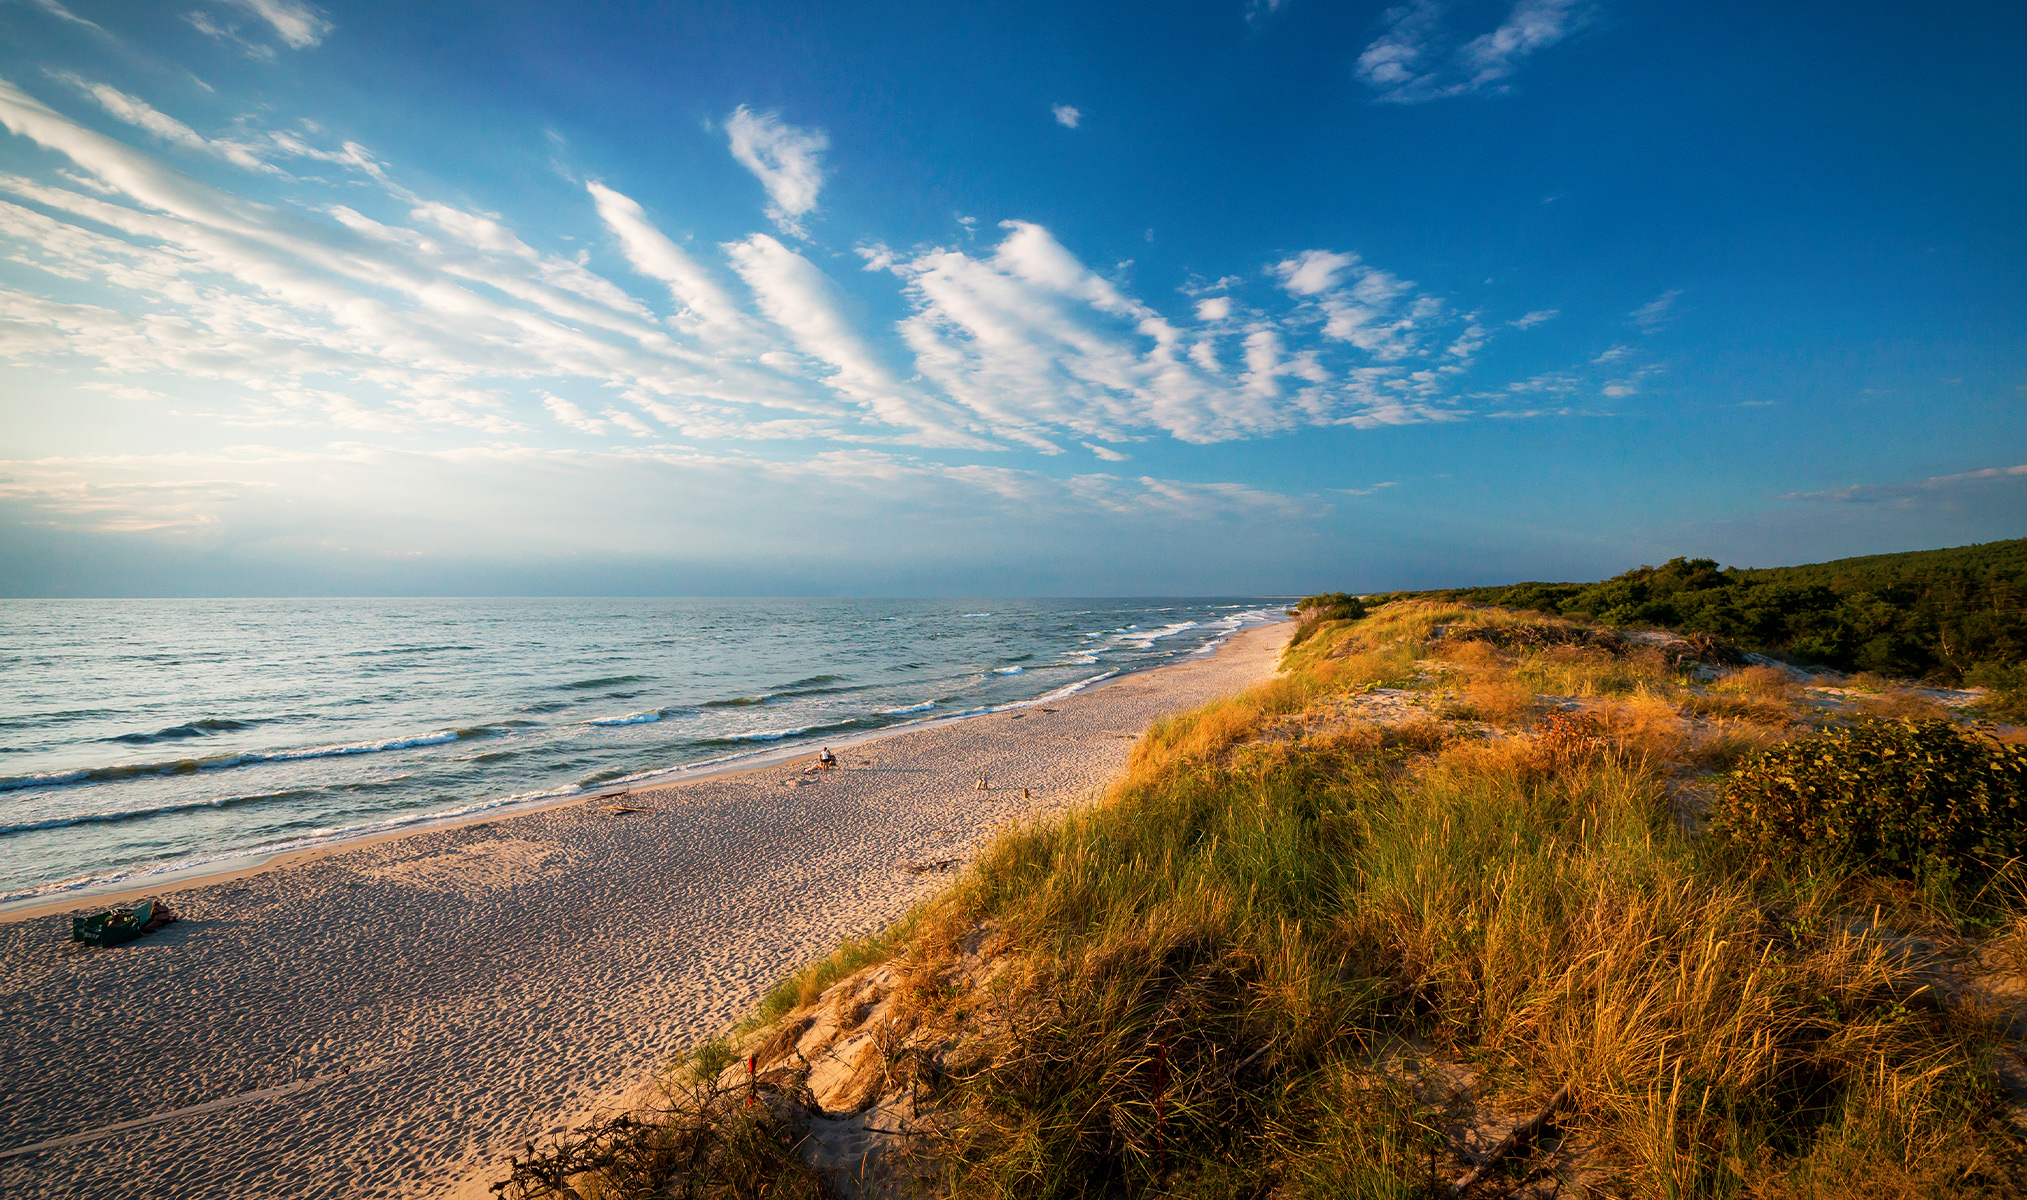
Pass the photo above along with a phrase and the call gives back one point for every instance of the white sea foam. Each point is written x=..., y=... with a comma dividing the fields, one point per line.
x=767, y=735
x=184, y=766
x=925, y=706
x=315, y=838
x=1006, y=670
x=639, y=718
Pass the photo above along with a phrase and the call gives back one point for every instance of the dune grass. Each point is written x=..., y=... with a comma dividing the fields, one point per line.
x=1299, y=966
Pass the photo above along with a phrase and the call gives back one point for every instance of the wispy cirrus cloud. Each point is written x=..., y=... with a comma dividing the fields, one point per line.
x=299, y=26
x=1066, y=115
x=367, y=308
x=788, y=162
x=1656, y=312
x=56, y=9
x=571, y=416
x=142, y=115
x=1937, y=489
x=1417, y=58
x=1260, y=10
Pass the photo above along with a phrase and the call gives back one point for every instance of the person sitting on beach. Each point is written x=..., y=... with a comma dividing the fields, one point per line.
x=826, y=759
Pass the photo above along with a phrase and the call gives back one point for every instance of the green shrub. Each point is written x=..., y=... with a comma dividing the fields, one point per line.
x=1329, y=606
x=2008, y=686
x=1901, y=798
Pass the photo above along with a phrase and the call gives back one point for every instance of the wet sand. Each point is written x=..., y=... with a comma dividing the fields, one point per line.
x=385, y=1018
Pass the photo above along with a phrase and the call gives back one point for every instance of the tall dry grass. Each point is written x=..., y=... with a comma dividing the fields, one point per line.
x=1254, y=928
x=1205, y=972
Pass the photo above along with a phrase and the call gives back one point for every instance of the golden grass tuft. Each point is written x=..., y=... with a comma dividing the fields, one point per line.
x=1767, y=683
x=1504, y=702
x=1646, y=725
x=1471, y=654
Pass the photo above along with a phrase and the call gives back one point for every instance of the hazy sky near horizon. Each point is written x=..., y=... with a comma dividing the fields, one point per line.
x=1244, y=296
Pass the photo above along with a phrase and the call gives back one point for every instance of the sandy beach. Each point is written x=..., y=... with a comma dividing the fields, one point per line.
x=384, y=1018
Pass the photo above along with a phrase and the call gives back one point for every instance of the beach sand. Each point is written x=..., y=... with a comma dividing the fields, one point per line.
x=388, y=1018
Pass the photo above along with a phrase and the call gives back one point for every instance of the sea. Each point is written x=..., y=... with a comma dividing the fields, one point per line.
x=144, y=737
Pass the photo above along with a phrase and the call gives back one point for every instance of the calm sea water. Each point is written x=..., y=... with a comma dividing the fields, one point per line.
x=144, y=736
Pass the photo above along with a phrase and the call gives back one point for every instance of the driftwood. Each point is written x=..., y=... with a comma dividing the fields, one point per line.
x=1522, y=1134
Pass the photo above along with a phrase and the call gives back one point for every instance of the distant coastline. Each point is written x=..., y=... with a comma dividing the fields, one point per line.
x=127, y=882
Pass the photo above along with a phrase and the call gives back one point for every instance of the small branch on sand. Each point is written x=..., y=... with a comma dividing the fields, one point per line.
x=1522, y=1134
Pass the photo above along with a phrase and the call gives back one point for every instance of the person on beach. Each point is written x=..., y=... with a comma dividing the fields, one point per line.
x=826, y=759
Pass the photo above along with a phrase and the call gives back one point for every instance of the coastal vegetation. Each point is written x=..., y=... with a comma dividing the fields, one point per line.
x=1466, y=899
x=1952, y=616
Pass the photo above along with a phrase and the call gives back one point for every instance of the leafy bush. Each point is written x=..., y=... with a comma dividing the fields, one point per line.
x=1934, y=613
x=1901, y=798
x=2008, y=684
x=1330, y=606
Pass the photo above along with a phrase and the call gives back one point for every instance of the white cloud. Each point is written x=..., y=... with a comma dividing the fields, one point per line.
x=1935, y=489
x=203, y=23
x=569, y=414
x=706, y=308
x=1066, y=116
x=1656, y=312
x=1613, y=354
x=1415, y=60
x=1214, y=308
x=627, y=421
x=1468, y=343
x=1105, y=452
x=1360, y=304
x=57, y=10
x=1538, y=317
x=140, y=114
x=1554, y=383
x=800, y=299
x=1260, y=10
x=1365, y=491
x=1313, y=271
x=787, y=161
x=294, y=22
x=1619, y=389
x=123, y=391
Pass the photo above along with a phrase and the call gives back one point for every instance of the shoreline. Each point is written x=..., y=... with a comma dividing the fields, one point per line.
x=383, y=1018
x=235, y=865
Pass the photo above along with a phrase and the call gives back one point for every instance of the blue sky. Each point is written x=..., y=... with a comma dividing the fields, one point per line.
x=1237, y=297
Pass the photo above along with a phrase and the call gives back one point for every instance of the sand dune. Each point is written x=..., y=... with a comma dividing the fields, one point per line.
x=382, y=1020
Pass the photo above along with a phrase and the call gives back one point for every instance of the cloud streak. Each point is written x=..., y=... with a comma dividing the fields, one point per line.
x=296, y=23
x=786, y=160
x=1416, y=59
x=1935, y=489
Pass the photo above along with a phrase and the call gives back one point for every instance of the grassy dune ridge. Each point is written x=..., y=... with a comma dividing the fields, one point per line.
x=1336, y=935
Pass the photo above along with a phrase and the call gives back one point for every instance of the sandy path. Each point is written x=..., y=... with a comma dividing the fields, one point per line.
x=405, y=1008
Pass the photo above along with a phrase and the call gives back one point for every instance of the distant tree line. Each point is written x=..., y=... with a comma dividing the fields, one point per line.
x=1945, y=615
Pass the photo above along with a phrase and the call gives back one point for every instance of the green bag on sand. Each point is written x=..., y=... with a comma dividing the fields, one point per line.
x=113, y=926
